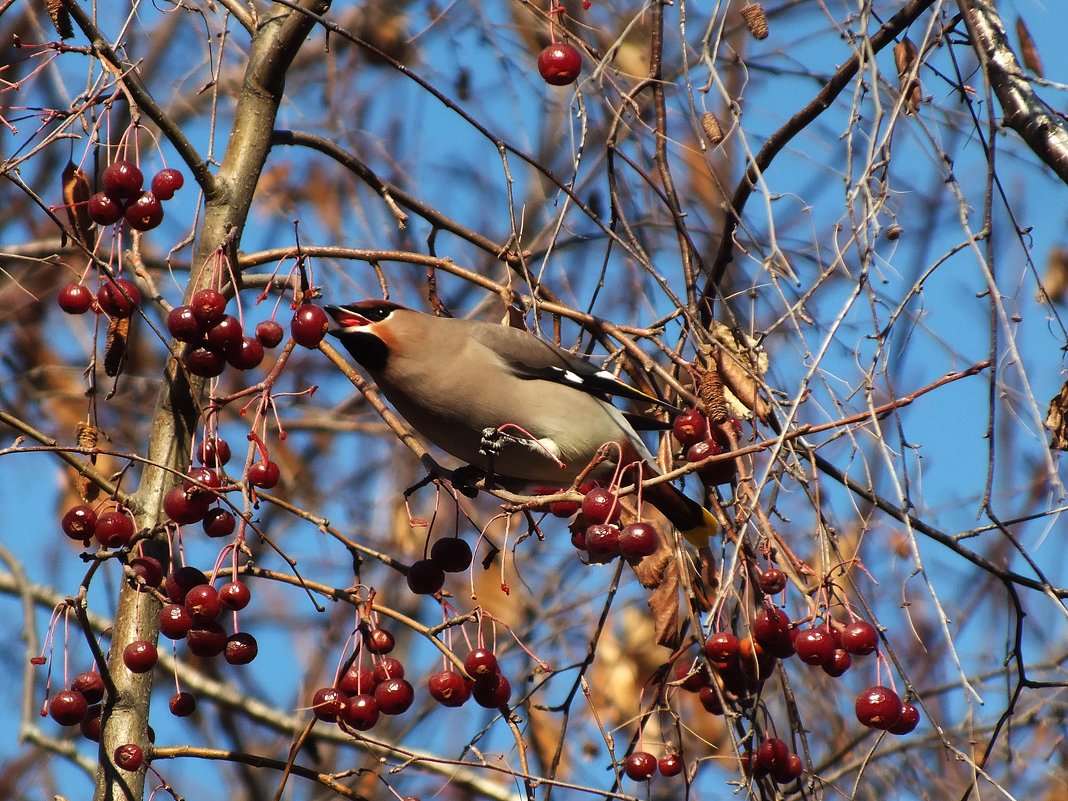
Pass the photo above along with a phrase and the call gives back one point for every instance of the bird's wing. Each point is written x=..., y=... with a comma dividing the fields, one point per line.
x=531, y=358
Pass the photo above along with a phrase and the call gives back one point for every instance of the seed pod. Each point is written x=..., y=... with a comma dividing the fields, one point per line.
x=710, y=390
x=756, y=20
x=88, y=434
x=710, y=125
x=117, y=346
x=60, y=18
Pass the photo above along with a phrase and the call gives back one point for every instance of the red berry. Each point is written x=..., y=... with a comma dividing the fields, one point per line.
x=203, y=361
x=425, y=577
x=600, y=505
x=148, y=569
x=449, y=688
x=309, y=325
x=380, y=641
x=103, y=209
x=118, y=298
x=356, y=680
x=91, y=724
x=717, y=472
x=328, y=703
x=771, y=581
x=361, y=712
x=79, y=523
x=182, y=704
x=234, y=595
x=910, y=718
x=491, y=691
x=860, y=638
x=480, y=663
x=690, y=427
x=145, y=213
x=878, y=707
x=790, y=771
x=219, y=522
x=90, y=685
x=269, y=333
x=640, y=766
x=206, y=640
x=838, y=664
x=452, y=554
x=771, y=626
x=129, y=757
x=213, y=452
x=202, y=483
x=721, y=647
x=387, y=668
x=140, y=656
x=225, y=335
x=670, y=765
x=183, y=509
x=602, y=542
x=182, y=580
x=166, y=182
x=564, y=509
x=75, y=299
x=264, y=475
x=68, y=708
x=771, y=754
x=247, y=355
x=122, y=180
x=209, y=307
x=241, y=648
x=693, y=677
x=814, y=646
x=394, y=696
x=638, y=540
x=710, y=700
x=113, y=529
x=202, y=603
x=174, y=621
x=559, y=64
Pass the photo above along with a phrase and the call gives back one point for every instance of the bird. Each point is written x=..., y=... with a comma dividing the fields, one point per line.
x=505, y=401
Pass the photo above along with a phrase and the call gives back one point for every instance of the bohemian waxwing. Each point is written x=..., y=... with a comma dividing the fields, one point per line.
x=504, y=401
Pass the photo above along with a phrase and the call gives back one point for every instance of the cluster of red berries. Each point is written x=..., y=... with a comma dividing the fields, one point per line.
x=447, y=555
x=116, y=297
x=596, y=531
x=124, y=197
x=193, y=614
x=642, y=766
x=81, y=706
x=700, y=440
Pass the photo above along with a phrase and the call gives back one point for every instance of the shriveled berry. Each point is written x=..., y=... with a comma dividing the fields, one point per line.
x=602, y=542
x=206, y=640
x=449, y=688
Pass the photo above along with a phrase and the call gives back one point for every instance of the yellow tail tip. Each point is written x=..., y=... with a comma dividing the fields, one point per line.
x=700, y=535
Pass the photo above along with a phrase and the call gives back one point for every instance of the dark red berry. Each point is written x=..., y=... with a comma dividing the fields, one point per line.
x=771, y=754
x=166, y=182
x=148, y=569
x=878, y=707
x=380, y=641
x=692, y=677
x=269, y=333
x=209, y=307
x=838, y=664
x=721, y=647
x=241, y=648
x=225, y=335
x=246, y=356
x=183, y=509
x=690, y=427
x=670, y=765
x=68, y=707
x=716, y=473
x=638, y=540
x=122, y=180
x=640, y=766
x=264, y=475
x=860, y=638
x=113, y=529
x=118, y=298
x=425, y=577
x=90, y=685
x=394, y=696
x=213, y=452
x=602, y=542
x=182, y=580
x=203, y=361
x=140, y=656
x=174, y=621
x=790, y=771
x=480, y=663
x=79, y=523
x=600, y=505
x=449, y=688
x=90, y=726
x=182, y=704
x=202, y=603
x=75, y=298
x=710, y=700
x=387, y=668
x=219, y=522
x=145, y=213
x=234, y=595
x=564, y=509
x=559, y=64
x=104, y=209
x=328, y=703
x=452, y=554
x=361, y=712
x=814, y=646
x=206, y=640
x=491, y=691
x=910, y=718
x=202, y=482
x=309, y=325
x=771, y=581
x=356, y=680
x=129, y=757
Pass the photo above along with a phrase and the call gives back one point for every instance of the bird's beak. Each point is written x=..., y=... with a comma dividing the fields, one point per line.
x=346, y=319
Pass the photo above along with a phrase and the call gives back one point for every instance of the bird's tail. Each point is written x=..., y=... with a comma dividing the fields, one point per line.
x=694, y=522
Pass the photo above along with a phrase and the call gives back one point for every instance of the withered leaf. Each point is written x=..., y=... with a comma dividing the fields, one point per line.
x=1028, y=49
x=76, y=193
x=1057, y=420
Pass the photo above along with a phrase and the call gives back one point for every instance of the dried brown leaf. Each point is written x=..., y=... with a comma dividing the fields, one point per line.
x=1028, y=49
x=76, y=193
x=665, y=606
x=117, y=347
x=1057, y=420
